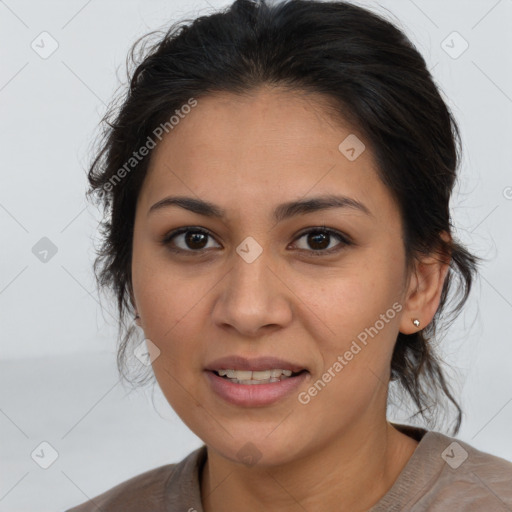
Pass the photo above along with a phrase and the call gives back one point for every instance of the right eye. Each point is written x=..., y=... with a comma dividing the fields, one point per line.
x=192, y=240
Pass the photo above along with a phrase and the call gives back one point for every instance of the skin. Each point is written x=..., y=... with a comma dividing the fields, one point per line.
x=247, y=155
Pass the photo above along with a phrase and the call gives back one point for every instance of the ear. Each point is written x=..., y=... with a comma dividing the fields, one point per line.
x=424, y=289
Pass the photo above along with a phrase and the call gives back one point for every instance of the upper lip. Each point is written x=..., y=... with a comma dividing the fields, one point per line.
x=256, y=364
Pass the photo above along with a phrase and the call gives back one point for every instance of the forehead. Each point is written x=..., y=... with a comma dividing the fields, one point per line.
x=260, y=149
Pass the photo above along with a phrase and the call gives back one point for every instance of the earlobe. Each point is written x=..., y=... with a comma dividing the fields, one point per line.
x=410, y=321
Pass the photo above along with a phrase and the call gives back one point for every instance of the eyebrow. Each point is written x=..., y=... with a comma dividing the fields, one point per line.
x=282, y=212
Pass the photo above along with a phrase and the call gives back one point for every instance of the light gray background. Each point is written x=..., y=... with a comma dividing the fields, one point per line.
x=58, y=381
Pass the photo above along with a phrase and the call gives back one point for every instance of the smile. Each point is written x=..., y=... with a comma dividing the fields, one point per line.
x=255, y=377
x=254, y=388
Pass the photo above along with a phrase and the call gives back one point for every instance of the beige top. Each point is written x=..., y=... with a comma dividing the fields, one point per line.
x=443, y=474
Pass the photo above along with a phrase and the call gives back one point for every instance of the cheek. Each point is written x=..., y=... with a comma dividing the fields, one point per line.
x=354, y=314
x=348, y=300
x=169, y=305
x=174, y=319
x=355, y=351
x=172, y=309
x=162, y=293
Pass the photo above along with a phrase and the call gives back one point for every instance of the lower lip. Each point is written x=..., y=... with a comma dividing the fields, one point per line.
x=254, y=395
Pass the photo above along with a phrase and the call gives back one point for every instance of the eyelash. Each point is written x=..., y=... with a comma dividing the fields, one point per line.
x=167, y=239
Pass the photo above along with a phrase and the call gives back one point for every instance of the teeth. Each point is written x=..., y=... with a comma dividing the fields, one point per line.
x=256, y=377
x=240, y=375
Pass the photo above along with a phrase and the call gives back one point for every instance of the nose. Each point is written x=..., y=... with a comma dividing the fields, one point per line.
x=254, y=299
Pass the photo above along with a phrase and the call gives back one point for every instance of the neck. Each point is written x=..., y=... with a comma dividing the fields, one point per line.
x=350, y=473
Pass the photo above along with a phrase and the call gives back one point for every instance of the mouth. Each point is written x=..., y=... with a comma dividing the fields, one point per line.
x=255, y=382
x=249, y=388
x=249, y=377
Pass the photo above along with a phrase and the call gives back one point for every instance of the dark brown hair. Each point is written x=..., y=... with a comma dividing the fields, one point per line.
x=378, y=82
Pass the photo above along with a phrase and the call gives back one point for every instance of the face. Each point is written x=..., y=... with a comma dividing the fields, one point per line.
x=320, y=288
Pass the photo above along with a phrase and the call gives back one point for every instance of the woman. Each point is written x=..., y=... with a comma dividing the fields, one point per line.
x=276, y=186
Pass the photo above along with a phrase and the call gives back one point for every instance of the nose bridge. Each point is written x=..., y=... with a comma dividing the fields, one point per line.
x=251, y=284
x=249, y=277
x=251, y=296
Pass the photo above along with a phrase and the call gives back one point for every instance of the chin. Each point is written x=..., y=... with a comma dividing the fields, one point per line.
x=258, y=449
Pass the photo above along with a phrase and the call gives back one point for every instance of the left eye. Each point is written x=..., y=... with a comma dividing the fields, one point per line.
x=195, y=240
x=320, y=240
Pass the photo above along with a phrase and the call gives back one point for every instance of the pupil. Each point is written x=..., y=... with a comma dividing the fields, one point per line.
x=192, y=239
x=319, y=237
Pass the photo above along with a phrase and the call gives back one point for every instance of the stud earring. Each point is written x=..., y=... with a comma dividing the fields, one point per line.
x=416, y=322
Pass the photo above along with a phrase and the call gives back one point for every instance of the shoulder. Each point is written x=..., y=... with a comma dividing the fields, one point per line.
x=136, y=493
x=445, y=473
x=465, y=464
x=170, y=485
x=467, y=477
